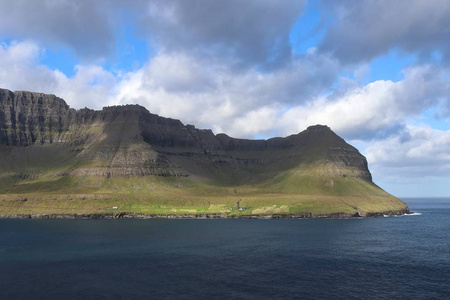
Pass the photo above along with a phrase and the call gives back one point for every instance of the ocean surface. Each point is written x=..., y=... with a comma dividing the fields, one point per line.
x=376, y=258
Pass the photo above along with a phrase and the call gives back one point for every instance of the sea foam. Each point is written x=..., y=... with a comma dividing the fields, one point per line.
x=404, y=215
x=414, y=214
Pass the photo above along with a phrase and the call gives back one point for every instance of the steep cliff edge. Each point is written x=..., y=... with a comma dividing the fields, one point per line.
x=151, y=164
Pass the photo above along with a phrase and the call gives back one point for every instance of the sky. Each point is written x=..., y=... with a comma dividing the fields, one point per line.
x=377, y=72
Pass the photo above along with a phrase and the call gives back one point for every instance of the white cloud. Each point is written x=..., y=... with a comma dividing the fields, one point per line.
x=378, y=109
x=414, y=163
x=204, y=92
x=91, y=87
x=209, y=93
x=423, y=148
x=242, y=103
x=20, y=69
x=179, y=73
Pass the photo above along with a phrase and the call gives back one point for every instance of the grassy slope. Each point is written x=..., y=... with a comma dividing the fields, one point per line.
x=47, y=190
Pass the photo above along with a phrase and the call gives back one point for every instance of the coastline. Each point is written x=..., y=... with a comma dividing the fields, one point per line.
x=127, y=215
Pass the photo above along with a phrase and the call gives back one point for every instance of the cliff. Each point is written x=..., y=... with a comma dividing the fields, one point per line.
x=125, y=152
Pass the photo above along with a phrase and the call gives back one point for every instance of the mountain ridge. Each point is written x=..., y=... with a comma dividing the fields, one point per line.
x=118, y=144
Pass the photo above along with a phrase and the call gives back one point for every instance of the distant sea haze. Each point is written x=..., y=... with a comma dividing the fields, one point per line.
x=371, y=258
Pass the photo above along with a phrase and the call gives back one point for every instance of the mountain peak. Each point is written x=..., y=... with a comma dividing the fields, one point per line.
x=318, y=128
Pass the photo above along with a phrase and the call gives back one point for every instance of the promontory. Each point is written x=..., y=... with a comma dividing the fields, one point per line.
x=124, y=161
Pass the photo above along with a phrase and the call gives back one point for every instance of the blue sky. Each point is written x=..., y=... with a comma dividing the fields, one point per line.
x=376, y=72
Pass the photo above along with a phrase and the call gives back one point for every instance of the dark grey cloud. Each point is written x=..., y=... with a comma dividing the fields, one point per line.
x=245, y=32
x=397, y=128
x=362, y=30
x=84, y=26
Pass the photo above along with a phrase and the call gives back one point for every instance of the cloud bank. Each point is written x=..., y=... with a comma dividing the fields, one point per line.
x=363, y=30
x=230, y=66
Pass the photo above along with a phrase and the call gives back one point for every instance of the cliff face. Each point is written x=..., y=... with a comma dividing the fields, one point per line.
x=28, y=118
x=130, y=141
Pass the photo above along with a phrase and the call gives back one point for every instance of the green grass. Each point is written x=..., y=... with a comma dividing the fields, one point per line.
x=169, y=195
x=54, y=179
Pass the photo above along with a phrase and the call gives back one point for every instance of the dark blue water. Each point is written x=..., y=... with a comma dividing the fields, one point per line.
x=379, y=258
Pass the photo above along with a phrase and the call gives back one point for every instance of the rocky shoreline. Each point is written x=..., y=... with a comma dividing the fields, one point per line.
x=126, y=215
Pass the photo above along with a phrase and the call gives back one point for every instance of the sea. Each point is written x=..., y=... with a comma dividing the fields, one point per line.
x=404, y=257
